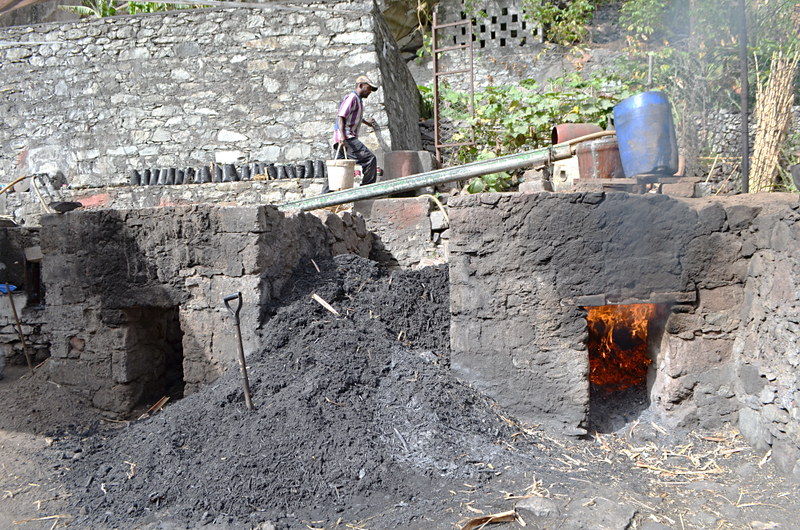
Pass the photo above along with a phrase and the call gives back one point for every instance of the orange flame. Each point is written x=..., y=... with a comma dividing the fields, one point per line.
x=618, y=344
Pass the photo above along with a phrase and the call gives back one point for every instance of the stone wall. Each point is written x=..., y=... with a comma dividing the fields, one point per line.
x=724, y=132
x=407, y=233
x=13, y=262
x=27, y=209
x=96, y=98
x=113, y=276
x=766, y=352
x=523, y=269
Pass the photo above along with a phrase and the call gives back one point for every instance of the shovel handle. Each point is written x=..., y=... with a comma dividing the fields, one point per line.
x=231, y=297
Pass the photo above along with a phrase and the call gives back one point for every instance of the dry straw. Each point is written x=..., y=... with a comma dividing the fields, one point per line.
x=773, y=114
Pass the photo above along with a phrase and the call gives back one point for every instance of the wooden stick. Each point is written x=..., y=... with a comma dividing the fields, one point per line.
x=19, y=329
x=324, y=304
x=46, y=518
x=678, y=471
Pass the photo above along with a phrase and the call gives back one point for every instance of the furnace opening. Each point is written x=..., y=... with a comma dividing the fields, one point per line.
x=621, y=346
x=155, y=350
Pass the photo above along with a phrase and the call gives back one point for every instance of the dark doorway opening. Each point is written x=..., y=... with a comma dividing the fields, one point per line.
x=156, y=346
x=622, y=344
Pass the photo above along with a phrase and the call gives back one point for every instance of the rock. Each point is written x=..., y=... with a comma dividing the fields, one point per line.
x=753, y=431
x=786, y=457
x=650, y=525
x=599, y=513
x=65, y=206
x=536, y=508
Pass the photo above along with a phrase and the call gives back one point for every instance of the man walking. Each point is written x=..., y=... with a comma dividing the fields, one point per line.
x=345, y=131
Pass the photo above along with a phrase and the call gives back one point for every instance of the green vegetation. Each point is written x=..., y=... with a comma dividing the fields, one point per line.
x=694, y=46
x=512, y=118
x=109, y=8
x=563, y=22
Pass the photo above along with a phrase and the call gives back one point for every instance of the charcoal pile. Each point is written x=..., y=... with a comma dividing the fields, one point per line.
x=355, y=415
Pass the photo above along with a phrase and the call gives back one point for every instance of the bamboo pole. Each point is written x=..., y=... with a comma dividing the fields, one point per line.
x=774, y=100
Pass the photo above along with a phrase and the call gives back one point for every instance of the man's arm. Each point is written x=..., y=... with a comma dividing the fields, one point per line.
x=369, y=121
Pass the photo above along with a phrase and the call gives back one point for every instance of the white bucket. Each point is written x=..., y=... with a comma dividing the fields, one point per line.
x=340, y=174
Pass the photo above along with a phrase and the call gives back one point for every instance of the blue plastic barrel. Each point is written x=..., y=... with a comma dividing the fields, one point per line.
x=646, y=135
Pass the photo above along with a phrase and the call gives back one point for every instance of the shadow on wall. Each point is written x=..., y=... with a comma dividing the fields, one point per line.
x=114, y=323
x=135, y=297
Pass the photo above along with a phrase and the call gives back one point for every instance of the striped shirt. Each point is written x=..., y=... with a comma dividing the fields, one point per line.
x=352, y=110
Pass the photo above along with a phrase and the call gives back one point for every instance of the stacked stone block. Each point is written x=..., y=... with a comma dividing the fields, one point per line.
x=113, y=276
x=522, y=267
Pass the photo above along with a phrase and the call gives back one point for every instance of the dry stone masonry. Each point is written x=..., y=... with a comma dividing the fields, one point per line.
x=523, y=268
x=97, y=98
x=135, y=294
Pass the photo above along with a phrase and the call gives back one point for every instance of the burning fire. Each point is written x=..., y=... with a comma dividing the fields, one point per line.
x=618, y=345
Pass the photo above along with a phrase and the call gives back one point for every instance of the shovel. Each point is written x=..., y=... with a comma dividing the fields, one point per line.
x=235, y=312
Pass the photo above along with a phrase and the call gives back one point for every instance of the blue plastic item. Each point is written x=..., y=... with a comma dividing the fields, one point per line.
x=11, y=288
x=646, y=135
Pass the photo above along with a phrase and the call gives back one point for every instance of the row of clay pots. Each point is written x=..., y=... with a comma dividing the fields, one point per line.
x=227, y=173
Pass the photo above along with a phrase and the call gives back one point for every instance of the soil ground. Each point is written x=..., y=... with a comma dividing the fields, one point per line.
x=359, y=424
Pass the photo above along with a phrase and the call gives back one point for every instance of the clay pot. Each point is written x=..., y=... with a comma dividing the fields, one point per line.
x=217, y=174
x=300, y=171
x=205, y=175
x=162, y=176
x=135, y=178
x=154, y=176
x=178, y=176
x=290, y=171
x=272, y=171
x=281, y=172
x=245, y=172
x=169, y=180
x=145, y=180
x=309, y=165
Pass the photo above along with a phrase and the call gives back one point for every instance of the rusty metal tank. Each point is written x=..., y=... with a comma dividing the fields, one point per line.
x=599, y=159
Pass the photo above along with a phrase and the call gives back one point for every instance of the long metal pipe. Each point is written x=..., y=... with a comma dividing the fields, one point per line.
x=544, y=155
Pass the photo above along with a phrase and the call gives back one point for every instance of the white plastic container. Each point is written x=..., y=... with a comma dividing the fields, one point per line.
x=340, y=174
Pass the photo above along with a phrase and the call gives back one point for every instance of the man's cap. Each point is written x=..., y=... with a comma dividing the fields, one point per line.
x=362, y=79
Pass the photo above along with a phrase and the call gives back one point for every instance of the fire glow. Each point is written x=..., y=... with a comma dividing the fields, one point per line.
x=618, y=357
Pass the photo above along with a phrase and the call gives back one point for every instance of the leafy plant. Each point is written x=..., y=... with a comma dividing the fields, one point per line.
x=425, y=102
x=93, y=8
x=563, y=22
x=427, y=45
x=515, y=117
x=642, y=19
x=109, y=8
x=495, y=182
x=511, y=118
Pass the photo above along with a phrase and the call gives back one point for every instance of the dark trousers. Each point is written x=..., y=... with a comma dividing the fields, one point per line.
x=363, y=156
